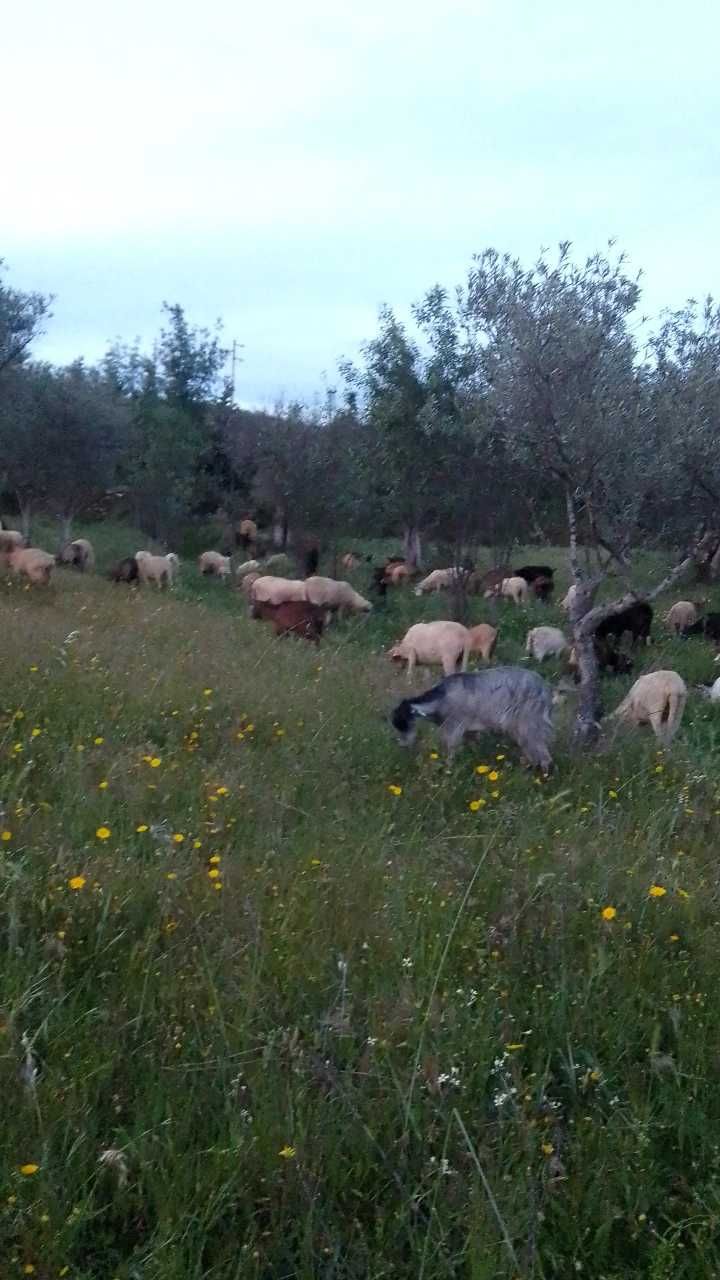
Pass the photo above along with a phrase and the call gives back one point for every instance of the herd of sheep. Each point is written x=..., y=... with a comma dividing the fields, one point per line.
x=506, y=699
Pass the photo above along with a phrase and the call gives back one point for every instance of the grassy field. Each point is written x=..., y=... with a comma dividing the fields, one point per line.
x=280, y=999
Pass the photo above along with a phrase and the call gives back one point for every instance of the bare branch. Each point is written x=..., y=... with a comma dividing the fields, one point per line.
x=572, y=530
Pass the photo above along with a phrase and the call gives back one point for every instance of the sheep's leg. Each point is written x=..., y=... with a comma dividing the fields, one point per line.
x=452, y=735
x=412, y=658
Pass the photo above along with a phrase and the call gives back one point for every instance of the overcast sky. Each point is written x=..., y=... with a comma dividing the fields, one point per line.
x=290, y=166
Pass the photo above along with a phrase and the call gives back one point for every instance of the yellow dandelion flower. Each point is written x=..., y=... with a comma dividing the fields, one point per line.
x=482, y=768
x=217, y=884
x=171, y=875
x=103, y=786
x=495, y=795
x=434, y=755
x=36, y=732
x=155, y=762
x=27, y=1170
x=222, y=791
x=315, y=862
x=682, y=893
x=33, y=668
x=613, y=795
x=77, y=882
x=98, y=741
x=493, y=776
x=608, y=913
x=501, y=756
x=249, y=728
x=28, y=1269
x=394, y=790
x=6, y=835
x=214, y=858
x=103, y=833
x=197, y=844
x=214, y=873
x=286, y=1152
x=547, y=1148
x=178, y=837
x=674, y=937
x=656, y=891
x=659, y=768
x=143, y=827
x=474, y=805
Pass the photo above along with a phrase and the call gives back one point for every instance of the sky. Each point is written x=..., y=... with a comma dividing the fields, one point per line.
x=289, y=167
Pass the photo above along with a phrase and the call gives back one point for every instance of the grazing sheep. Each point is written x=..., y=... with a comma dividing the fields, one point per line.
x=680, y=616
x=213, y=564
x=569, y=599
x=657, y=699
x=396, y=572
x=248, y=566
x=78, y=553
x=708, y=625
x=269, y=590
x=125, y=570
x=430, y=644
x=545, y=642
x=32, y=563
x=510, y=700
x=483, y=639
x=438, y=580
x=293, y=617
x=247, y=533
x=334, y=595
x=530, y=572
x=515, y=589
x=636, y=619
x=158, y=569
x=711, y=691
x=10, y=540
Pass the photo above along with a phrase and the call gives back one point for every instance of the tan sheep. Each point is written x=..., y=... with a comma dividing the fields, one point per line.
x=545, y=642
x=438, y=580
x=32, y=563
x=680, y=616
x=10, y=540
x=247, y=582
x=333, y=595
x=397, y=573
x=271, y=590
x=483, y=639
x=158, y=569
x=434, y=644
x=515, y=589
x=248, y=566
x=657, y=699
x=213, y=564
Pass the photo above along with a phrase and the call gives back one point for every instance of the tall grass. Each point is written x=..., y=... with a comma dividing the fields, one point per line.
x=393, y=1036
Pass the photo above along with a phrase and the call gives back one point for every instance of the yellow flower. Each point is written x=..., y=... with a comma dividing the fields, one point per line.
x=143, y=827
x=33, y=668
x=394, y=791
x=102, y=786
x=197, y=844
x=612, y=795
x=27, y=1170
x=547, y=1148
x=178, y=837
x=213, y=873
x=682, y=893
x=36, y=732
x=495, y=795
x=171, y=875
x=674, y=937
x=482, y=768
x=207, y=692
x=98, y=741
x=500, y=757
x=222, y=791
x=214, y=858
x=493, y=777
x=249, y=728
x=608, y=913
x=315, y=862
x=511, y=1048
x=103, y=833
x=434, y=755
x=656, y=891
x=76, y=882
x=155, y=762
x=474, y=805
x=286, y=1152
x=659, y=768
x=6, y=835
x=28, y=1269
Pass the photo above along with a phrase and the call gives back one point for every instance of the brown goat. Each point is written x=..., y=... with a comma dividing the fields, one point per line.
x=293, y=617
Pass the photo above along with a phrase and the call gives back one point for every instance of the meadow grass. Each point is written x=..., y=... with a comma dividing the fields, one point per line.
x=326, y=1019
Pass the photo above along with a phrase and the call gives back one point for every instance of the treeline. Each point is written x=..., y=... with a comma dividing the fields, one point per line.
x=525, y=403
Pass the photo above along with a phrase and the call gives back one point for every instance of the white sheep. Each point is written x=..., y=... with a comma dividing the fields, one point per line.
x=545, y=642
x=213, y=564
x=569, y=599
x=32, y=563
x=248, y=566
x=657, y=699
x=681, y=615
x=270, y=590
x=158, y=569
x=515, y=589
x=333, y=595
x=438, y=580
x=429, y=644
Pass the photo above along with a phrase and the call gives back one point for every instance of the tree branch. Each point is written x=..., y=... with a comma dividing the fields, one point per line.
x=572, y=531
x=595, y=616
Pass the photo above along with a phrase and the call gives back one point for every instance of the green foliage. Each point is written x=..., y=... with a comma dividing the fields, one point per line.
x=314, y=1070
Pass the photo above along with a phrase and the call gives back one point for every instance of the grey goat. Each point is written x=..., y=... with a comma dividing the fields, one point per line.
x=509, y=699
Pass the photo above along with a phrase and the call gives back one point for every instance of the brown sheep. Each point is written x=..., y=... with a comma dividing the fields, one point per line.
x=293, y=617
x=34, y=564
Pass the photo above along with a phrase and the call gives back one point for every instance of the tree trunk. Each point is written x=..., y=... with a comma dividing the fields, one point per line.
x=66, y=528
x=280, y=530
x=412, y=547
x=25, y=515
x=586, y=729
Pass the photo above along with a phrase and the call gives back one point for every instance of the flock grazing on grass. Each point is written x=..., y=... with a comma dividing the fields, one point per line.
x=507, y=699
